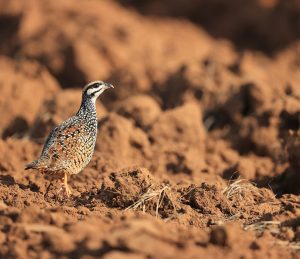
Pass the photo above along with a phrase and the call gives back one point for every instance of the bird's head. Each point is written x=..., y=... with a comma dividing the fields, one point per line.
x=94, y=89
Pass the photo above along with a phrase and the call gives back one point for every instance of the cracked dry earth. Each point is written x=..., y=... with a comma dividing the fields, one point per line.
x=198, y=149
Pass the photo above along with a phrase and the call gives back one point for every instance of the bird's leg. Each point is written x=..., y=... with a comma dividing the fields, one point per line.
x=67, y=188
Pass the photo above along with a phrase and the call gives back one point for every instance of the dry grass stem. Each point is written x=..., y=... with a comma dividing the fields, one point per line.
x=150, y=195
x=273, y=226
x=239, y=188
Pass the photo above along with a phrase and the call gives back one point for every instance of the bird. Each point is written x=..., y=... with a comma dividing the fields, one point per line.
x=70, y=146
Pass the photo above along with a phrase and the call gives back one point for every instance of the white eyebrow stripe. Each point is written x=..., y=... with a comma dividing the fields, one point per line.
x=91, y=84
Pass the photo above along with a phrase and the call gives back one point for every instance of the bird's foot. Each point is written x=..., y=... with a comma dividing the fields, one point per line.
x=68, y=190
x=64, y=191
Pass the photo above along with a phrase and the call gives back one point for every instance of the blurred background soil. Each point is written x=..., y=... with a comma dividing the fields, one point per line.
x=198, y=149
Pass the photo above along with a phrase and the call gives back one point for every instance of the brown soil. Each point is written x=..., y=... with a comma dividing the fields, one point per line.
x=198, y=149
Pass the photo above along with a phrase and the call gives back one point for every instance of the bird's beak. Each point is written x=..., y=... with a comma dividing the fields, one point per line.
x=108, y=85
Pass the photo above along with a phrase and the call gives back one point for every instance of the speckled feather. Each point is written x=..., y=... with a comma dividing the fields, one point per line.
x=70, y=146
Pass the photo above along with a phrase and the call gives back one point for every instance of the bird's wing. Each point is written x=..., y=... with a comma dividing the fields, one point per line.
x=62, y=140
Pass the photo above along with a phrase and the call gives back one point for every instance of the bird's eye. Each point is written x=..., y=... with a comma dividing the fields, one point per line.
x=97, y=86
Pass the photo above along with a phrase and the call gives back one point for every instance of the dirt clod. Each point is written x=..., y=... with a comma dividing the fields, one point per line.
x=122, y=189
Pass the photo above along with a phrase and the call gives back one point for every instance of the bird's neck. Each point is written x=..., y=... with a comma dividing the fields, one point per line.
x=87, y=108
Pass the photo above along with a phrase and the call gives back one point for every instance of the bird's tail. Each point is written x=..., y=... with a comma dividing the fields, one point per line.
x=32, y=165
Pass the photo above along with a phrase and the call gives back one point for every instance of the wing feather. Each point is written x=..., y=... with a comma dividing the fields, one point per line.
x=63, y=143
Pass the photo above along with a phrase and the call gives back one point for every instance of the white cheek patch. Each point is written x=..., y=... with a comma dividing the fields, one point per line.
x=95, y=96
x=98, y=93
x=90, y=91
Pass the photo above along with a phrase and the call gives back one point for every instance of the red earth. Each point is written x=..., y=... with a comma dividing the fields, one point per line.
x=198, y=148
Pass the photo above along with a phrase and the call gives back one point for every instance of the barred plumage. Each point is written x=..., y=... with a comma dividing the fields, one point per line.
x=70, y=146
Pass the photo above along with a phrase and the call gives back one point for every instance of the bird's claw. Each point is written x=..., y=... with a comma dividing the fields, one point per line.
x=64, y=191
